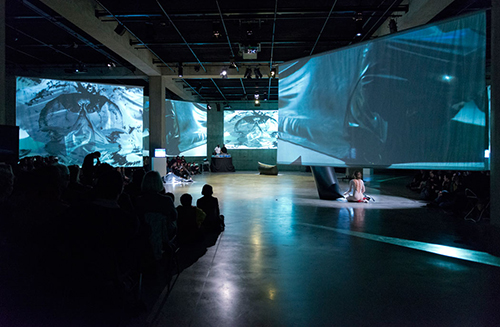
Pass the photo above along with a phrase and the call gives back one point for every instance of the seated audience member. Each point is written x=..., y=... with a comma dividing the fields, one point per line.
x=158, y=212
x=214, y=221
x=102, y=244
x=76, y=191
x=89, y=167
x=133, y=189
x=189, y=222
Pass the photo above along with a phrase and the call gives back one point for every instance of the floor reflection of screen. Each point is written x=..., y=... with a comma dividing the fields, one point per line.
x=251, y=129
x=414, y=99
x=71, y=119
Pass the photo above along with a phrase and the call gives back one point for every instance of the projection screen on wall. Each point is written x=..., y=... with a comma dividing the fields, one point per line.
x=414, y=99
x=250, y=129
x=71, y=119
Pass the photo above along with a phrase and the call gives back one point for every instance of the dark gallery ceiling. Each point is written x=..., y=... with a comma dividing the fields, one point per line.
x=126, y=42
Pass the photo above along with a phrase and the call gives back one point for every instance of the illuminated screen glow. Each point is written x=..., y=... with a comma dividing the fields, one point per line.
x=186, y=128
x=414, y=99
x=250, y=129
x=70, y=119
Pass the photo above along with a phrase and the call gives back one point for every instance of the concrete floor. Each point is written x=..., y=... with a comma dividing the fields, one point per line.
x=287, y=258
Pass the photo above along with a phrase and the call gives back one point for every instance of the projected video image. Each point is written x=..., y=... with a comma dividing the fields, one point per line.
x=186, y=125
x=251, y=129
x=414, y=99
x=71, y=119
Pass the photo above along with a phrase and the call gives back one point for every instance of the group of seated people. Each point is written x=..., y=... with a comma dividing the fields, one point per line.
x=78, y=243
x=180, y=167
x=449, y=189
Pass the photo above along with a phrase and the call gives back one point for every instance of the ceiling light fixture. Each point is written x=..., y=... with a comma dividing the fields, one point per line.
x=180, y=70
x=359, y=24
x=223, y=73
x=273, y=73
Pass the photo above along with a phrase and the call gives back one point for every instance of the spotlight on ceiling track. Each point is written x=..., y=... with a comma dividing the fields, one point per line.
x=272, y=73
x=180, y=70
x=248, y=73
x=223, y=73
x=216, y=34
x=257, y=73
x=111, y=65
x=209, y=107
x=257, y=103
x=359, y=24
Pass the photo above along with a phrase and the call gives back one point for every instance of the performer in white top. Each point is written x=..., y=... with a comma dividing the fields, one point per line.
x=357, y=186
x=217, y=150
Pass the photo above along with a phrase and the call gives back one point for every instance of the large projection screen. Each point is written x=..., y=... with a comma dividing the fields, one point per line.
x=70, y=119
x=414, y=99
x=186, y=128
x=186, y=125
x=250, y=129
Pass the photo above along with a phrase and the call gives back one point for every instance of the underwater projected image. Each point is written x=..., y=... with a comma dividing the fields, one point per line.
x=186, y=128
x=414, y=99
x=70, y=119
x=251, y=129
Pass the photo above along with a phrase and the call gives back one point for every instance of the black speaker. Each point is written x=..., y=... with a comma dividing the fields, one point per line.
x=9, y=144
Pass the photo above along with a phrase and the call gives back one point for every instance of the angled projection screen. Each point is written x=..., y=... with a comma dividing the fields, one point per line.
x=410, y=100
x=186, y=125
x=70, y=119
x=250, y=129
x=186, y=128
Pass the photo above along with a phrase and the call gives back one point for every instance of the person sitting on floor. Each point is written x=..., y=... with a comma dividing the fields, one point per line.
x=210, y=205
x=357, y=186
x=189, y=222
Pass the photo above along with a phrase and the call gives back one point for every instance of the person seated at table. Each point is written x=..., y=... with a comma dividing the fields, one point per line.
x=223, y=149
x=217, y=150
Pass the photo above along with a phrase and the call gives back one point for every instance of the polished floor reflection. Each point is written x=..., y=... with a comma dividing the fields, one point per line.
x=287, y=258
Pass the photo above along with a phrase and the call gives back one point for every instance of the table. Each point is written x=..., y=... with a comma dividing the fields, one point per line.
x=221, y=164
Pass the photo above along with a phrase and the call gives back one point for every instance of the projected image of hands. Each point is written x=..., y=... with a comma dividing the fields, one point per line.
x=410, y=100
x=251, y=129
x=72, y=119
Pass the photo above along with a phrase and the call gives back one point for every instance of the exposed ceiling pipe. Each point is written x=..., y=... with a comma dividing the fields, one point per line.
x=218, y=89
x=45, y=44
x=24, y=53
x=133, y=35
x=323, y=28
x=378, y=20
x=243, y=87
x=193, y=89
x=272, y=48
x=68, y=30
x=180, y=34
x=227, y=35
